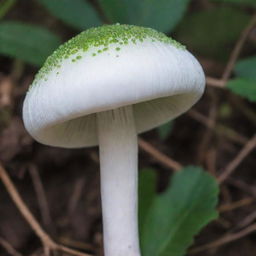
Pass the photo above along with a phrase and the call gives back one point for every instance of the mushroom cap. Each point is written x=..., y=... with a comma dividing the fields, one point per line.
x=105, y=68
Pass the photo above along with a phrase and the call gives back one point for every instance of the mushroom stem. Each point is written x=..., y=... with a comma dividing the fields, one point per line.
x=119, y=178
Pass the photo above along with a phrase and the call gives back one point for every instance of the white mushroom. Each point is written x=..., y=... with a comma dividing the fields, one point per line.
x=103, y=87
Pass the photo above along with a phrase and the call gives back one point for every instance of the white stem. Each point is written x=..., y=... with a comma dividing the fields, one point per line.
x=119, y=176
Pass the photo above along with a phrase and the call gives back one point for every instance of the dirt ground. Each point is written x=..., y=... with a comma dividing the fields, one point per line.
x=61, y=186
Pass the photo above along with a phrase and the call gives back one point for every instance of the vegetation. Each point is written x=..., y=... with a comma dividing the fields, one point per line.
x=195, y=169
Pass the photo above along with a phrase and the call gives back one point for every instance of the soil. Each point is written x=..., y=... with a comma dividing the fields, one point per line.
x=70, y=178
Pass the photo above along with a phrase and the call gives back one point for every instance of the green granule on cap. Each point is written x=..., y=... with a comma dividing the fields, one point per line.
x=101, y=38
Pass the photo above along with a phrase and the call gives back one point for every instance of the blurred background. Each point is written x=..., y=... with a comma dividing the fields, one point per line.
x=61, y=186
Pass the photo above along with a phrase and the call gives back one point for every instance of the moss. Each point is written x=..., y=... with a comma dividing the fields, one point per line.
x=101, y=38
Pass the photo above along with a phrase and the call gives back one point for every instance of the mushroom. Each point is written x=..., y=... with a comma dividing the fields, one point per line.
x=103, y=87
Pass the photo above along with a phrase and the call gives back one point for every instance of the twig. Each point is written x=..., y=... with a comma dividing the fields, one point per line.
x=220, y=129
x=210, y=160
x=215, y=82
x=224, y=223
x=224, y=240
x=71, y=251
x=220, y=83
x=75, y=244
x=247, y=221
x=8, y=247
x=249, y=146
x=6, y=88
x=42, y=201
x=159, y=156
x=75, y=196
x=237, y=204
x=200, y=118
x=246, y=110
x=237, y=49
x=48, y=244
x=231, y=134
x=238, y=183
x=24, y=209
x=208, y=133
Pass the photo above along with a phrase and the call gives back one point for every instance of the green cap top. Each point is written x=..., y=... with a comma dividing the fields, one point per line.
x=101, y=39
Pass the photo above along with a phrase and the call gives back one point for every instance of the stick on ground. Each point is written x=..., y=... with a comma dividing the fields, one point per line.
x=48, y=244
x=159, y=156
x=249, y=146
x=8, y=247
x=224, y=240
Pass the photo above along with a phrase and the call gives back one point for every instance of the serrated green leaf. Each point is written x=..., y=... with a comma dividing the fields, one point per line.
x=246, y=68
x=165, y=130
x=76, y=13
x=243, y=87
x=177, y=215
x=162, y=15
x=212, y=32
x=147, y=193
x=30, y=43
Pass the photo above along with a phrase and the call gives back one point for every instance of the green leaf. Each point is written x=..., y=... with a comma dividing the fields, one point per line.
x=76, y=13
x=165, y=130
x=243, y=87
x=29, y=43
x=123, y=11
x=177, y=215
x=246, y=68
x=212, y=32
x=147, y=192
x=162, y=15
